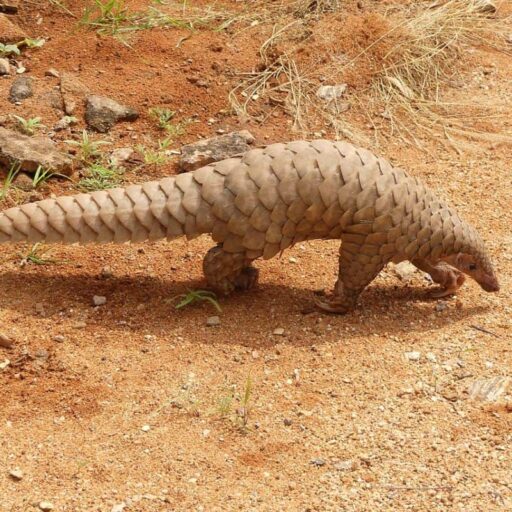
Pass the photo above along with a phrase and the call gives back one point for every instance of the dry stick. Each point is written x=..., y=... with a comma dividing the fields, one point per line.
x=481, y=329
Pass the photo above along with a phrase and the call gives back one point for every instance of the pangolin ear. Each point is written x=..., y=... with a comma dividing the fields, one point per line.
x=462, y=260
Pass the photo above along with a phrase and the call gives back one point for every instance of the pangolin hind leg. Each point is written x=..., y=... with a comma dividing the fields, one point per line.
x=226, y=271
x=449, y=278
x=356, y=271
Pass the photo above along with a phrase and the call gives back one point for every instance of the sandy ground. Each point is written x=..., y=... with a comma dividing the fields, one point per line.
x=136, y=406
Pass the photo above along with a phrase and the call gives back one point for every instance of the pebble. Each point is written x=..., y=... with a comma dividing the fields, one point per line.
x=106, y=272
x=16, y=474
x=489, y=390
x=5, y=341
x=59, y=338
x=212, y=321
x=101, y=113
x=331, y=92
x=431, y=357
x=5, y=67
x=21, y=89
x=287, y=422
x=146, y=428
x=441, y=306
x=279, y=331
x=119, y=507
x=413, y=356
x=99, y=300
x=80, y=325
x=52, y=72
x=345, y=465
x=318, y=462
x=292, y=259
x=46, y=505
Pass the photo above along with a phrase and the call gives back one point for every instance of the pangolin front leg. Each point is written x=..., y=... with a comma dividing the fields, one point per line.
x=449, y=278
x=226, y=271
x=356, y=271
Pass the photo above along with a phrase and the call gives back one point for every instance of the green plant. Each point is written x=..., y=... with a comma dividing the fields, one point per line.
x=42, y=175
x=225, y=404
x=29, y=126
x=8, y=49
x=107, y=16
x=151, y=156
x=11, y=175
x=62, y=7
x=245, y=406
x=197, y=296
x=100, y=177
x=31, y=43
x=89, y=150
x=36, y=256
x=162, y=116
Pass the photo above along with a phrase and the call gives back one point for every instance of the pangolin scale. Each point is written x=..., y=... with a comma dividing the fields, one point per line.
x=268, y=199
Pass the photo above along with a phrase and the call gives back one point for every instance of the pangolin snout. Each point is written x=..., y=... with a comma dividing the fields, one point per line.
x=490, y=284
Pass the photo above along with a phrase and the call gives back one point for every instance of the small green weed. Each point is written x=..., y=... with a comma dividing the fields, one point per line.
x=8, y=49
x=89, y=150
x=162, y=116
x=100, y=177
x=151, y=156
x=42, y=175
x=11, y=175
x=197, y=296
x=36, y=256
x=29, y=126
x=59, y=4
x=242, y=413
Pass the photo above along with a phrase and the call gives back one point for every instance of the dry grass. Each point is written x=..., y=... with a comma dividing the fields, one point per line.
x=397, y=64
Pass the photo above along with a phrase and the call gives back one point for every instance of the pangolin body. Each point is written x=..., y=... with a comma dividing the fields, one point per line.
x=268, y=199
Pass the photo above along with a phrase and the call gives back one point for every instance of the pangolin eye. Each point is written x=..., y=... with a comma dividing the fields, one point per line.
x=472, y=266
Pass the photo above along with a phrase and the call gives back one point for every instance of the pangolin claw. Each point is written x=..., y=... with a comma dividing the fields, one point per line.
x=333, y=305
x=455, y=280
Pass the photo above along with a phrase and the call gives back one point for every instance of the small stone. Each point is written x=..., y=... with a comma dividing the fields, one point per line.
x=331, y=92
x=318, y=462
x=80, y=325
x=102, y=113
x=119, y=507
x=65, y=123
x=207, y=151
x=46, y=506
x=345, y=465
x=413, y=356
x=99, y=300
x=106, y=272
x=4, y=364
x=146, y=428
x=120, y=156
x=287, y=422
x=5, y=341
x=441, y=306
x=279, y=331
x=489, y=390
x=16, y=474
x=206, y=432
x=21, y=89
x=404, y=270
x=431, y=357
x=212, y=321
x=59, y=338
x=40, y=308
x=52, y=72
x=292, y=259
x=9, y=6
x=32, y=152
x=5, y=67
x=255, y=354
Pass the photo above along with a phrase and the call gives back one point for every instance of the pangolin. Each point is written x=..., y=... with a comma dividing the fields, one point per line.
x=260, y=203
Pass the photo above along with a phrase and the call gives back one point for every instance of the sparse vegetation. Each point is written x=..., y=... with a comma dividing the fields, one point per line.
x=230, y=397
x=100, y=177
x=29, y=126
x=194, y=296
x=152, y=156
x=163, y=118
x=88, y=149
x=37, y=256
x=11, y=176
x=42, y=175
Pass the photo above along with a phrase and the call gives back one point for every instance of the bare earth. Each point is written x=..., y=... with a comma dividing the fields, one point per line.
x=140, y=405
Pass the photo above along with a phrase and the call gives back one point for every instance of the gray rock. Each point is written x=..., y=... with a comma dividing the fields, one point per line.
x=21, y=89
x=59, y=338
x=9, y=6
x=412, y=356
x=345, y=465
x=31, y=152
x=331, y=92
x=5, y=67
x=101, y=113
x=205, y=152
x=99, y=300
x=489, y=390
x=211, y=321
